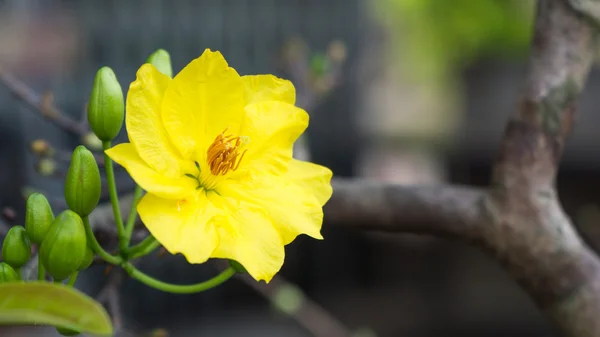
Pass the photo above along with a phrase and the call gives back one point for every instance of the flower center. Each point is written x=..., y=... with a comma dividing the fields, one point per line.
x=222, y=156
x=224, y=153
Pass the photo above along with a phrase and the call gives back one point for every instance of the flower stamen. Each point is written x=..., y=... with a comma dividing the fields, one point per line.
x=223, y=155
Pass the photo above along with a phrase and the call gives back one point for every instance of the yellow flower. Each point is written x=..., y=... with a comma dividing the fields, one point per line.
x=213, y=150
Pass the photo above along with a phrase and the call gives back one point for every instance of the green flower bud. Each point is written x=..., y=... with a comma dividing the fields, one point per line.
x=67, y=332
x=46, y=167
x=106, y=109
x=91, y=141
x=16, y=249
x=38, y=217
x=64, y=248
x=7, y=273
x=162, y=61
x=87, y=260
x=82, y=186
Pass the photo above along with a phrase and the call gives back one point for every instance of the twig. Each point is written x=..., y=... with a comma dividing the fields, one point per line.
x=311, y=316
x=43, y=103
x=29, y=271
x=3, y=228
x=111, y=297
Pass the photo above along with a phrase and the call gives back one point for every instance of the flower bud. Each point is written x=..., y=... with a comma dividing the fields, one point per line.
x=87, y=259
x=38, y=217
x=7, y=273
x=288, y=299
x=16, y=248
x=41, y=147
x=63, y=249
x=106, y=108
x=82, y=186
x=91, y=141
x=67, y=332
x=46, y=167
x=162, y=61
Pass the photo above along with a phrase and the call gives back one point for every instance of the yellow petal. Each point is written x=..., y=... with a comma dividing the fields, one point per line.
x=185, y=227
x=151, y=181
x=312, y=178
x=294, y=201
x=271, y=127
x=268, y=88
x=144, y=125
x=248, y=237
x=206, y=97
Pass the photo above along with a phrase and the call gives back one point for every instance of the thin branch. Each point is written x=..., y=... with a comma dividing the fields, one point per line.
x=309, y=314
x=43, y=103
x=110, y=296
x=29, y=270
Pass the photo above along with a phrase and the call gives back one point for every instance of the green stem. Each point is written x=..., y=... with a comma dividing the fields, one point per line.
x=130, y=224
x=41, y=269
x=72, y=279
x=95, y=246
x=175, y=288
x=114, y=198
x=147, y=246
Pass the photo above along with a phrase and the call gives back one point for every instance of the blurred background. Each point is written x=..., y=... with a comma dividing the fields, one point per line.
x=404, y=91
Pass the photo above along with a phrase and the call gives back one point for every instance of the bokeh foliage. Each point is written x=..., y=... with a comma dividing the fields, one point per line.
x=437, y=37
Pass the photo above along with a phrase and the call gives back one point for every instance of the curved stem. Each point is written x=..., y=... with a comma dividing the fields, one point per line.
x=114, y=198
x=147, y=246
x=130, y=224
x=176, y=288
x=72, y=279
x=95, y=246
x=41, y=270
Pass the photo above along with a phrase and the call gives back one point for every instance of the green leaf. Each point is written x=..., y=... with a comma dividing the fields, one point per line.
x=43, y=303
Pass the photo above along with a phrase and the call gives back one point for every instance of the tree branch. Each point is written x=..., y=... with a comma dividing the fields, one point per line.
x=43, y=103
x=525, y=226
x=439, y=210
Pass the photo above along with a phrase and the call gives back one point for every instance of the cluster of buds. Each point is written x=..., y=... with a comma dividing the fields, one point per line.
x=43, y=150
x=62, y=241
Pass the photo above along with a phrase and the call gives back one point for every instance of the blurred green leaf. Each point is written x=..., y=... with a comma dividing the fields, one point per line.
x=42, y=303
x=434, y=38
